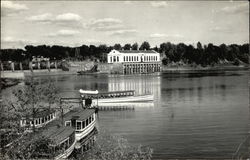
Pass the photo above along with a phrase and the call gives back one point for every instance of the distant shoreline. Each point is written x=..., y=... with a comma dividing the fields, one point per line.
x=188, y=69
x=19, y=75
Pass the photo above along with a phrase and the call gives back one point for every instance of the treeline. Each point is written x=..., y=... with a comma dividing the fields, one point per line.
x=205, y=55
x=199, y=54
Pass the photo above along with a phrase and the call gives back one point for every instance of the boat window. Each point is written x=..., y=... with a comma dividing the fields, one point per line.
x=68, y=123
x=90, y=119
x=83, y=124
x=87, y=122
x=78, y=125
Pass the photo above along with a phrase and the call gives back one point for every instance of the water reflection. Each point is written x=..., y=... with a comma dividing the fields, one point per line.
x=141, y=84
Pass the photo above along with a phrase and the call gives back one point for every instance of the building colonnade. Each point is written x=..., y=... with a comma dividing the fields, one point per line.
x=133, y=68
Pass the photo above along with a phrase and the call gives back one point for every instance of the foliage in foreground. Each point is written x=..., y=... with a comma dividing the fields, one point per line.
x=110, y=147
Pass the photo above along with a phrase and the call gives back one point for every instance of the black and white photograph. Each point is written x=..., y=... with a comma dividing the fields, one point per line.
x=124, y=80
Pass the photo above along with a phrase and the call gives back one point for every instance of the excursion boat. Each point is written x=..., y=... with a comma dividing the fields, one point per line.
x=114, y=97
x=62, y=142
x=41, y=118
x=82, y=120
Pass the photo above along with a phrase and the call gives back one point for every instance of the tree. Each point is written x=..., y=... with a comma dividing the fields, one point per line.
x=127, y=47
x=117, y=47
x=135, y=46
x=199, y=46
x=25, y=102
x=145, y=46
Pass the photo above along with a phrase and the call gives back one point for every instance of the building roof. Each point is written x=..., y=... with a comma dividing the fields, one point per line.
x=137, y=51
x=78, y=114
x=58, y=133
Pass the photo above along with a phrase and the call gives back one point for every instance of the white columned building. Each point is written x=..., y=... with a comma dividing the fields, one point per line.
x=135, y=61
x=133, y=56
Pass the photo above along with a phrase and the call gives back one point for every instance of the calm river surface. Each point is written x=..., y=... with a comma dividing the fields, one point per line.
x=193, y=115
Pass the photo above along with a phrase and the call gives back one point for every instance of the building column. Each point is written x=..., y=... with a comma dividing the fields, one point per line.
x=30, y=66
x=48, y=65
x=21, y=66
x=55, y=64
x=12, y=66
x=38, y=65
x=1, y=66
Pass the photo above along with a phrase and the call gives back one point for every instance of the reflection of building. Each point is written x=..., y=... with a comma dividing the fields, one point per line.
x=135, y=61
x=141, y=84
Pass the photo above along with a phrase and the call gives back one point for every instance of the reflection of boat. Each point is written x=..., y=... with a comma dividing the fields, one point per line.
x=115, y=97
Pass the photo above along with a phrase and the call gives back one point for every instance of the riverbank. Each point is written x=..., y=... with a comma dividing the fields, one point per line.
x=184, y=68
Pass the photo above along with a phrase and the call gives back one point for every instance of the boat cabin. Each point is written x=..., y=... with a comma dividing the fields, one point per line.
x=62, y=142
x=40, y=119
x=100, y=95
x=82, y=120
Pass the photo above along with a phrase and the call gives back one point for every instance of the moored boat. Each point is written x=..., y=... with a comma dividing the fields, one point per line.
x=114, y=97
x=62, y=142
x=40, y=119
x=82, y=120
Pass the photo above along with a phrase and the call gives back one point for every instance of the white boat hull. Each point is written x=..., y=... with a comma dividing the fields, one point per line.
x=66, y=153
x=142, y=98
x=85, y=131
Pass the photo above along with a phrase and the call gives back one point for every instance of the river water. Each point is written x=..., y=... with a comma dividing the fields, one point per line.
x=201, y=115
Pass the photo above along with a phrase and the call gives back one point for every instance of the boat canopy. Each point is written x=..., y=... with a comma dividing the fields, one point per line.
x=88, y=92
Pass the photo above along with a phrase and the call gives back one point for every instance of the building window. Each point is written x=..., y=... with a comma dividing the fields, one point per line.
x=124, y=59
x=117, y=59
x=129, y=58
x=114, y=58
x=110, y=59
x=137, y=58
x=134, y=58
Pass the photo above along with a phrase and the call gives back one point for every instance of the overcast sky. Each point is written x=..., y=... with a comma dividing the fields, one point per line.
x=108, y=22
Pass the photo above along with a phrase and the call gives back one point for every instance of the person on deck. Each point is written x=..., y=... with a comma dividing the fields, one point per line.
x=88, y=102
